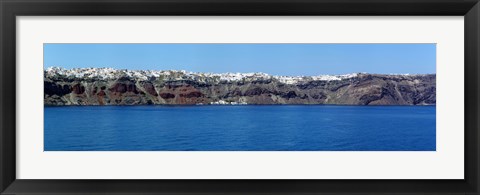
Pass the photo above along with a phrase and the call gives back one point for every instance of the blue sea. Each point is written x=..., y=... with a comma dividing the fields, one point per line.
x=240, y=128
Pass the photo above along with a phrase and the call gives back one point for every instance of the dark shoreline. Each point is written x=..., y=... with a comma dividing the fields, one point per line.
x=225, y=105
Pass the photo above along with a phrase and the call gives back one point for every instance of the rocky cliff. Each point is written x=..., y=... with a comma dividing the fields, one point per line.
x=105, y=86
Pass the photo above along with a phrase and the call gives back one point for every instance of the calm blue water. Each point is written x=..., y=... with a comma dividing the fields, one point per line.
x=240, y=128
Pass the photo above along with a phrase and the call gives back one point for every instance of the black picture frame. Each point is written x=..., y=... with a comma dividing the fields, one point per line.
x=9, y=9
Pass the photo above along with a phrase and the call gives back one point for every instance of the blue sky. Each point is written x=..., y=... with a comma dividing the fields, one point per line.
x=275, y=59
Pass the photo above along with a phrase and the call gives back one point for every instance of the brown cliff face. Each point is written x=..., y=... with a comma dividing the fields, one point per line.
x=364, y=89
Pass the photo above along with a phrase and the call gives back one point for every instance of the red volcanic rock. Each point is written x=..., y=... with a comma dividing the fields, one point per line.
x=132, y=88
x=182, y=94
x=78, y=89
x=101, y=93
x=167, y=95
x=100, y=97
x=185, y=88
x=193, y=94
x=150, y=89
x=124, y=87
x=119, y=87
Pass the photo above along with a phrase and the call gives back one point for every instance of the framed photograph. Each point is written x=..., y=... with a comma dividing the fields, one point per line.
x=239, y=97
